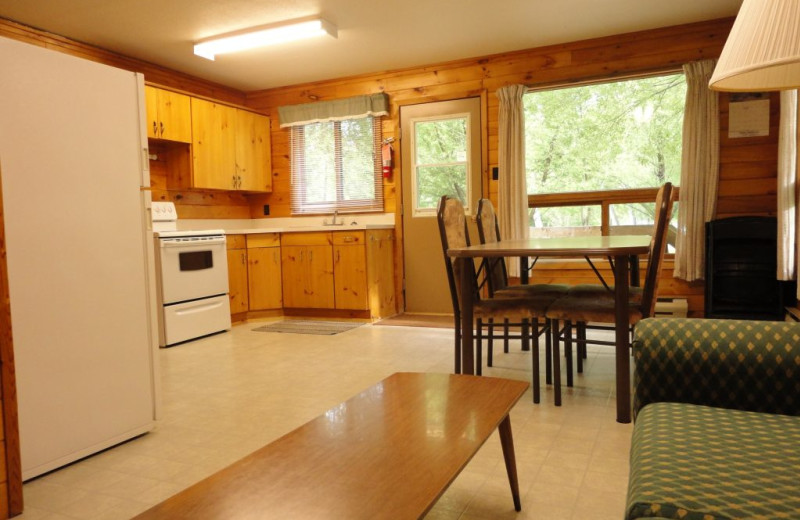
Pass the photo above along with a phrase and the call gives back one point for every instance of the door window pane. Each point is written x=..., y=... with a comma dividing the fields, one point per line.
x=441, y=162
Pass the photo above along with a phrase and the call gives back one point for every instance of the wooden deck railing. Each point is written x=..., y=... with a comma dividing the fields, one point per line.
x=604, y=199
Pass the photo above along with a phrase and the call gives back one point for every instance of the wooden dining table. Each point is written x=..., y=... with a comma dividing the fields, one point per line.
x=620, y=247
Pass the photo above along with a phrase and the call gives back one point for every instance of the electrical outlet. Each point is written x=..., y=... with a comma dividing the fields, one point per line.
x=266, y=209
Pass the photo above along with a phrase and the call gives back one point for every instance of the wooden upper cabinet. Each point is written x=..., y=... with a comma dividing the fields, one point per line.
x=230, y=148
x=253, y=155
x=168, y=115
x=213, y=145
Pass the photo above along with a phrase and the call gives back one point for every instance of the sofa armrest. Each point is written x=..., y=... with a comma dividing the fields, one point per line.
x=739, y=364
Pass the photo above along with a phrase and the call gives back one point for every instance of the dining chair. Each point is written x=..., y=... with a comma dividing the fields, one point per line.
x=588, y=303
x=452, y=222
x=499, y=287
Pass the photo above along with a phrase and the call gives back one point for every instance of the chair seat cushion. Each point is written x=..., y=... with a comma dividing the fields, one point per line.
x=513, y=308
x=699, y=462
x=551, y=290
x=588, y=290
x=598, y=310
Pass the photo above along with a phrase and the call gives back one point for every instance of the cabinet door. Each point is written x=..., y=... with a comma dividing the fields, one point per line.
x=307, y=277
x=350, y=277
x=168, y=115
x=264, y=278
x=213, y=146
x=175, y=116
x=380, y=273
x=253, y=160
x=237, y=280
x=151, y=101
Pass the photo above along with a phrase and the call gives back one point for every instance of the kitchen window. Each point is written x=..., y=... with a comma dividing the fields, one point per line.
x=336, y=155
x=336, y=165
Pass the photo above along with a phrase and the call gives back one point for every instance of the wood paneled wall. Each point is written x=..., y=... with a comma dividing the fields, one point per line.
x=748, y=169
x=10, y=465
x=747, y=176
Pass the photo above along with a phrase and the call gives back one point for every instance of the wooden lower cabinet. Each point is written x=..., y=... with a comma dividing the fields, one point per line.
x=380, y=273
x=237, y=274
x=350, y=270
x=307, y=277
x=264, y=271
x=338, y=271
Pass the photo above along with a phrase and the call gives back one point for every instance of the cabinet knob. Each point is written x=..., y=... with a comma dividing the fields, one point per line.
x=162, y=128
x=155, y=128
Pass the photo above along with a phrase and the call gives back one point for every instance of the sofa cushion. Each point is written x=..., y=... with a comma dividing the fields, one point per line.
x=699, y=462
x=740, y=364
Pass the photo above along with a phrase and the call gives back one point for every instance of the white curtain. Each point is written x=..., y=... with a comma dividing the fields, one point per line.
x=512, y=203
x=699, y=170
x=787, y=183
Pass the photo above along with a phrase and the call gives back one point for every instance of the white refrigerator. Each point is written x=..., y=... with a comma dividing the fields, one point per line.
x=73, y=161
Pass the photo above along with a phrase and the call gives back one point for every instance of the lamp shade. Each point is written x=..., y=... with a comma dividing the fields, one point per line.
x=762, y=52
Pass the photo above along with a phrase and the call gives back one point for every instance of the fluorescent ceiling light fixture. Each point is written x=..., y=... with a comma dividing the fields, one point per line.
x=264, y=35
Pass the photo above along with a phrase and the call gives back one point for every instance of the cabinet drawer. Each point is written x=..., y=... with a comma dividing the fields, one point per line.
x=263, y=240
x=306, y=239
x=348, y=238
x=235, y=241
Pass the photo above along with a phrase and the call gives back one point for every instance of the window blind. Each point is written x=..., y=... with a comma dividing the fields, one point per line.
x=336, y=166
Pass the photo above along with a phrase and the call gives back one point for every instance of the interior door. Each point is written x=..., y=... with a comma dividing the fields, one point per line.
x=441, y=155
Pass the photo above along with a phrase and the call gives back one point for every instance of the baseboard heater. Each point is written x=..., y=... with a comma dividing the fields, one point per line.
x=672, y=308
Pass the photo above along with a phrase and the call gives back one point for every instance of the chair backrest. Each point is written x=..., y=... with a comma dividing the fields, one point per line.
x=658, y=246
x=489, y=232
x=453, y=232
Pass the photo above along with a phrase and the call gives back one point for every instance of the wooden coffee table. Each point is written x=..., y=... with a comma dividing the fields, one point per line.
x=388, y=452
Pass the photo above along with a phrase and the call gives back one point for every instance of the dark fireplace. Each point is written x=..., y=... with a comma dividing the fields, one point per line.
x=741, y=270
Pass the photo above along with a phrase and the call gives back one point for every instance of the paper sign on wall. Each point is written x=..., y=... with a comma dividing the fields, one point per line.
x=748, y=118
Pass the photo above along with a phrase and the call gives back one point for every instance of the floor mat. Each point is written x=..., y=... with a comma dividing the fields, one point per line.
x=324, y=328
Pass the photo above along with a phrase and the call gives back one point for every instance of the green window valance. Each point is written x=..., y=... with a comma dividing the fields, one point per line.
x=335, y=110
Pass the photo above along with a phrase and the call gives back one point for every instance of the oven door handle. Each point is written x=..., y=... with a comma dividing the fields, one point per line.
x=191, y=243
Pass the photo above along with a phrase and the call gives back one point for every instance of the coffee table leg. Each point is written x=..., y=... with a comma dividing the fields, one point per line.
x=507, y=442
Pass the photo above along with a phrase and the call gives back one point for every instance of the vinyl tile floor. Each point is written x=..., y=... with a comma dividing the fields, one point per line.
x=225, y=396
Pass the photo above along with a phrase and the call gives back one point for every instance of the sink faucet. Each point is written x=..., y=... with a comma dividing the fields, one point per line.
x=334, y=221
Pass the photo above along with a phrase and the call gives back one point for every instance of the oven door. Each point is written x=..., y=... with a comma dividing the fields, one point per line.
x=192, y=268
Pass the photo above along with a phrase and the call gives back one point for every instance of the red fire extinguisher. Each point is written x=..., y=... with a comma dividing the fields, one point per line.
x=386, y=157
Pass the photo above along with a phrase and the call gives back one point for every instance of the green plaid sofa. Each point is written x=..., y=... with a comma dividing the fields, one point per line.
x=717, y=420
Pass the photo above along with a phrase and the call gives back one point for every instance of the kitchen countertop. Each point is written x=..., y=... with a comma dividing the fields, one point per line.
x=307, y=229
x=290, y=224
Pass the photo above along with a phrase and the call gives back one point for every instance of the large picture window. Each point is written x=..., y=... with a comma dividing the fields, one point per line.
x=336, y=166
x=607, y=138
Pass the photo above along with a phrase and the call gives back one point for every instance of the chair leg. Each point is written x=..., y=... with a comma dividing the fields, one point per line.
x=526, y=346
x=479, y=348
x=556, y=357
x=525, y=335
x=548, y=355
x=580, y=345
x=489, y=342
x=535, y=361
x=506, y=332
x=582, y=335
x=568, y=350
x=457, y=354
